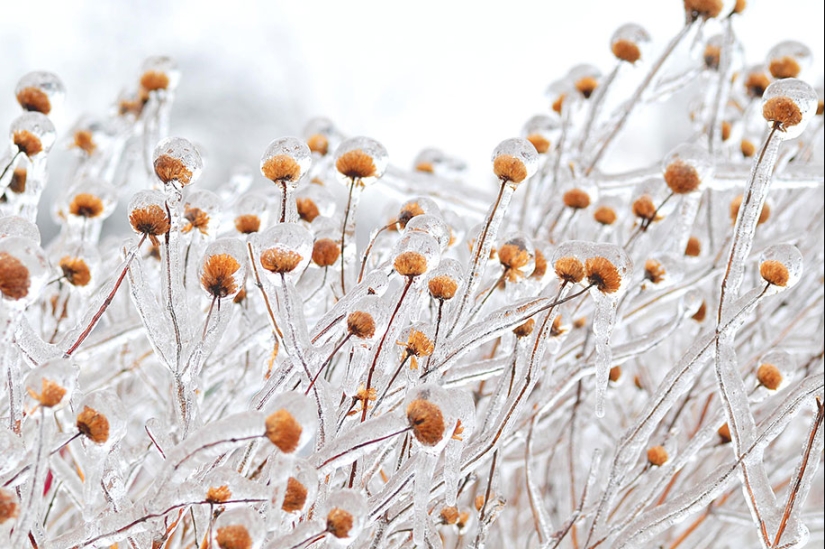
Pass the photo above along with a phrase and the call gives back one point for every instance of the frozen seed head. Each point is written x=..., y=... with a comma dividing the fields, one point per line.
x=569, y=269
x=283, y=430
x=247, y=223
x=218, y=277
x=626, y=50
x=509, y=169
x=418, y=344
x=17, y=184
x=644, y=208
x=426, y=420
x=449, y=515
x=540, y=142
x=196, y=218
x=576, y=199
x=83, y=141
x=34, y=99
x=736, y=203
x=442, y=287
x=701, y=312
x=408, y=211
x=295, y=496
x=86, y=205
x=657, y=456
x=694, y=247
x=756, y=83
x=615, y=374
x=276, y=260
x=769, y=376
x=339, y=522
x=356, y=164
x=747, y=148
x=586, y=86
x=281, y=167
x=14, y=277
x=75, y=270
x=234, y=536
x=410, y=264
x=524, y=330
x=703, y=8
x=51, y=393
x=170, y=169
x=151, y=221
x=605, y=215
x=361, y=324
x=325, y=252
x=318, y=143
x=219, y=494
x=724, y=433
x=513, y=258
x=782, y=111
x=603, y=274
x=307, y=209
x=774, y=273
x=93, y=425
x=711, y=55
x=154, y=80
x=784, y=67
x=681, y=177
x=28, y=143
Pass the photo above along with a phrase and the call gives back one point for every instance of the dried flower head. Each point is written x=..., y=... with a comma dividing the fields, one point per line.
x=218, y=277
x=307, y=209
x=724, y=433
x=540, y=142
x=417, y=345
x=247, y=223
x=509, y=169
x=281, y=167
x=14, y=277
x=694, y=247
x=449, y=515
x=34, y=99
x=736, y=203
x=569, y=269
x=513, y=258
x=626, y=50
x=524, y=330
x=318, y=143
x=151, y=221
x=83, y=141
x=17, y=184
x=93, y=425
x=28, y=143
x=586, y=86
x=325, y=252
x=86, y=205
x=75, y=270
x=356, y=164
x=234, y=536
x=774, y=273
x=602, y=274
x=442, y=287
x=615, y=374
x=339, y=522
x=410, y=264
x=361, y=324
x=657, y=456
x=408, y=211
x=701, y=312
x=51, y=393
x=576, y=199
x=681, y=177
x=782, y=111
x=711, y=56
x=154, y=80
x=170, y=169
x=703, y=8
x=747, y=148
x=654, y=271
x=277, y=260
x=218, y=494
x=8, y=506
x=644, y=208
x=427, y=421
x=283, y=430
x=769, y=376
x=605, y=215
x=784, y=67
x=196, y=218
x=295, y=496
x=756, y=83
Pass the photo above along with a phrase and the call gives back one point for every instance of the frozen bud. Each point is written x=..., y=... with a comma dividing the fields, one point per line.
x=713, y=52
x=325, y=252
x=39, y=91
x=774, y=273
x=345, y=515
x=295, y=497
x=747, y=148
x=32, y=134
x=756, y=81
x=14, y=277
x=177, y=162
x=148, y=216
x=686, y=168
x=576, y=199
x=788, y=105
x=644, y=208
x=603, y=274
x=788, y=59
x=781, y=266
x=628, y=42
x=201, y=212
x=233, y=536
x=361, y=324
x=286, y=160
x=307, y=209
x=283, y=430
x=514, y=160
x=86, y=205
x=426, y=420
x=159, y=73
x=360, y=159
x=449, y=515
x=222, y=270
x=769, y=376
x=93, y=425
x=247, y=223
x=416, y=254
x=605, y=215
x=657, y=456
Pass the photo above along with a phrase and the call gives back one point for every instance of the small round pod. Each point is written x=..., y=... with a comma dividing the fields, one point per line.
x=585, y=79
x=367, y=319
x=360, y=161
x=416, y=254
x=251, y=213
x=326, y=250
x=101, y=418
x=32, y=134
x=286, y=160
x=578, y=198
x=148, y=215
x=346, y=514
x=780, y=266
x=40, y=91
x=517, y=256
x=284, y=249
x=23, y=271
x=772, y=364
x=14, y=225
x=657, y=456
x=431, y=416
x=222, y=271
x=291, y=421
x=415, y=207
x=630, y=43
x=322, y=136
x=605, y=211
x=52, y=384
x=788, y=59
x=158, y=74
x=432, y=225
x=541, y=131
x=177, y=162
x=239, y=528
x=514, y=160
x=607, y=269
x=201, y=213
x=788, y=105
x=686, y=168
x=445, y=280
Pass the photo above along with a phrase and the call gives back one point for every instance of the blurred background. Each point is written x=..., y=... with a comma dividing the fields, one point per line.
x=460, y=76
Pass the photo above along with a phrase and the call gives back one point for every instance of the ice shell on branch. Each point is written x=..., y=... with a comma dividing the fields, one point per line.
x=286, y=160
x=432, y=225
x=360, y=159
x=790, y=104
x=789, y=257
x=515, y=160
x=630, y=42
x=13, y=225
x=284, y=248
x=346, y=515
x=159, y=73
x=32, y=134
x=788, y=59
x=416, y=254
x=177, y=161
x=223, y=268
x=40, y=91
x=23, y=271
